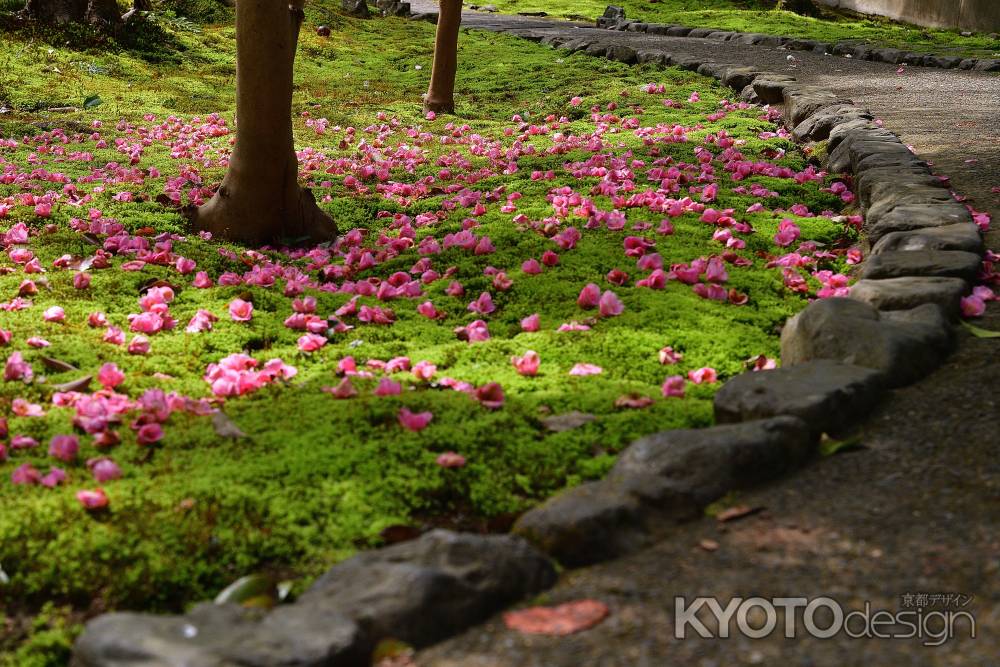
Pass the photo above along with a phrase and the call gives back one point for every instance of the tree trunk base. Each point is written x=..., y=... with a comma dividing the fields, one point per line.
x=439, y=107
x=233, y=218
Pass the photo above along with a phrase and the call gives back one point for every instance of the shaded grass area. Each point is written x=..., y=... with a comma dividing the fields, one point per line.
x=762, y=16
x=317, y=478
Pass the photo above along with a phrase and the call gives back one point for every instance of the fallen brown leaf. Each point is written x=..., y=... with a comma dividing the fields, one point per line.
x=737, y=512
x=564, y=619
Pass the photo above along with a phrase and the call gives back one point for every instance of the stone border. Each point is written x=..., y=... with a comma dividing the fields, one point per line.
x=839, y=357
x=614, y=19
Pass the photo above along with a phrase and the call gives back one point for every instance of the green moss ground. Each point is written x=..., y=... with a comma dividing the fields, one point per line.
x=761, y=16
x=317, y=478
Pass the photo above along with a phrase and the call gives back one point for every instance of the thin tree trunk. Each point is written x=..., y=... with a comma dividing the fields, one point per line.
x=441, y=93
x=260, y=200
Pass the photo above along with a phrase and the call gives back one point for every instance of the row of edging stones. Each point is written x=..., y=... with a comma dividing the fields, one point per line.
x=614, y=19
x=838, y=357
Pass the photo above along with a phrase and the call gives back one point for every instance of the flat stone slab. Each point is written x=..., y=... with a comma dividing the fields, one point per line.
x=910, y=292
x=902, y=345
x=961, y=236
x=827, y=395
x=913, y=217
x=900, y=263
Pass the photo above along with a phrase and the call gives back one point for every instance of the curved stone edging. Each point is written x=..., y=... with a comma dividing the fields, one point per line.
x=614, y=19
x=839, y=356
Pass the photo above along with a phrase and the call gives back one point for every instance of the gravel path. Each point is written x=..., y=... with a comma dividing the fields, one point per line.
x=915, y=511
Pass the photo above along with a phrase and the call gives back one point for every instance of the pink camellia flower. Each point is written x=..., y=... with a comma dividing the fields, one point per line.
x=531, y=267
x=585, y=369
x=43, y=209
x=23, y=442
x=114, y=335
x=550, y=258
x=311, y=342
x=17, y=369
x=388, y=387
x=138, y=345
x=54, y=314
x=92, y=499
x=25, y=474
x=490, y=395
x=23, y=408
x=110, y=376
x=762, y=363
x=531, y=323
x=185, y=266
x=450, y=460
x=5, y=337
x=149, y=434
x=424, y=370
x=344, y=389
x=397, y=365
x=610, y=305
x=37, y=342
x=202, y=281
x=81, y=280
x=202, y=321
x=673, y=386
x=473, y=332
x=104, y=469
x=704, y=375
x=97, y=320
x=576, y=101
x=527, y=364
x=64, y=447
x=240, y=310
x=148, y=322
x=414, y=421
x=973, y=306
x=668, y=356
x=589, y=297
x=428, y=310
x=55, y=477
x=483, y=305
x=454, y=288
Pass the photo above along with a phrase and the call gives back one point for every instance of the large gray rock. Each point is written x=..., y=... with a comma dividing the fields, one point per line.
x=886, y=199
x=818, y=126
x=770, y=87
x=624, y=54
x=709, y=462
x=903, y=348
x=423, y=590
x=899, y=263
x=700, y=32
x=678, y=31
x=661, y=480
x=962, y=236
x=916, y=217
x=827, y=395
x=890, y=183
x=417, y=592
x=907, y=293
x=739, y=77
x=590, y=523
x=219, y=636
x=803, y=101
x=358, y=8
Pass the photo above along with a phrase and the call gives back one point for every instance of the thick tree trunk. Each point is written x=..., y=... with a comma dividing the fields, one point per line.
x=260, y=200
x=441, y=93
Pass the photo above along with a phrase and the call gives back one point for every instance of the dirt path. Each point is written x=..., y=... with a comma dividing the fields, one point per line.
x=914, y=512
